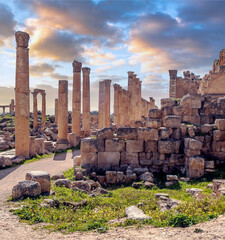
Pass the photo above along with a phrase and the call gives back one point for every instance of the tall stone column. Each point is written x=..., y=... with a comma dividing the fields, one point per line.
x=116, y=104
x=43, y=115
x=35, y=110
x=101, y=105
x=76, y=101
x=62, y=141
x=107, y=83
x=86, y=101
x=56, y=111
x=22, y=114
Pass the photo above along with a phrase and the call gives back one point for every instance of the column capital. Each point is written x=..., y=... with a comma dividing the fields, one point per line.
x=22, y=39
x=86, y=70
x=34, y=94
x=130, y=73
x=108, y=81
x=77, y=66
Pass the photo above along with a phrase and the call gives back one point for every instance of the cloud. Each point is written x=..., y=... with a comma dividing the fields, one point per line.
x=38, y=70
x=161, y=42
x=7, y=23
x=58, y=76
x=58, y=45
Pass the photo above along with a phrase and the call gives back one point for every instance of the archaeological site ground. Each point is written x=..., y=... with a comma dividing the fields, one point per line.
x=129, y=156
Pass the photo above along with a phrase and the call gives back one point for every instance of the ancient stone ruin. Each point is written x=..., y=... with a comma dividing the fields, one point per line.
x=185, y=135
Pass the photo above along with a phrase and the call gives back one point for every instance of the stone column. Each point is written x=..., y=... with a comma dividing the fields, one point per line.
x=12, y=106
x=86, y=101
x=101, y=106
x=62, y=114
x=3, y=109
x=35, y=110
x=43, y=115
x=22, y=114
x=107, y=83
x=56, y=111
x=76, y=102
x=116, y=104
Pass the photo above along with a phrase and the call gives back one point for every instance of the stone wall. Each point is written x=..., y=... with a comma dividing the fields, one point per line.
x=180, y=86
x=194, y=109
x=174, y=146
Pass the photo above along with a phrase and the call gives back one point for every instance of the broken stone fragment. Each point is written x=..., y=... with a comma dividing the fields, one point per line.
x=42, y=177
x=26, y=188
x=136, y=213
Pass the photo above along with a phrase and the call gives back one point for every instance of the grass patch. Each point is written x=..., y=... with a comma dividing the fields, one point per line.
x=100, y=210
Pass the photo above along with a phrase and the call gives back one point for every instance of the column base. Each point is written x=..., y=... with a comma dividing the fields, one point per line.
x=62, y=144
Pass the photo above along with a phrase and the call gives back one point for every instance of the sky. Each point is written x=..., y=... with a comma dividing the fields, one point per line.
x=111, y=37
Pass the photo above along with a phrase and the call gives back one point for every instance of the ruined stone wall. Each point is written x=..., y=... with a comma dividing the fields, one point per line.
x=189, y=149
x=213, y=83
x=180, y=86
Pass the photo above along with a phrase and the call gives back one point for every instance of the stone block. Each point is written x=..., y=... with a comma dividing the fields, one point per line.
x=178, y=110
x=42, y=177
x=148, y=134
x=167, y=102
x=166, y=147
x=164, y=133
x=114, y=145
x=146, y=162
x=155, y=113
x=105, y=133
x=127, y=133
x=147, y=177
x=63, y=183
x=196, y=167
x=186, y=142
x=130, y=159
x=171, y=178
x=135, y=146
x=210, y=164
x=192, y=153
x=191, y=131
x=176, y=134
x=153, y=123
x=89, y=160
x=108, y=160
x=206, y=128
x=39, y=145
x=72, y=138
x=26, y=189
x=92, y=145
x=150, y=146
x=111, y=177
x=183, y=128
x=218, y=135
x=195, y=145
x=173, y=121
x=220, y=123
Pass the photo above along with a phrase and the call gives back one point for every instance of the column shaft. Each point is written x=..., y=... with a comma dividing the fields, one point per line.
x=43, y=115
x=35, y=110
x=86, y=101
x=76, y=100
x=56, y=111
x=63, y=112
x=22, y=114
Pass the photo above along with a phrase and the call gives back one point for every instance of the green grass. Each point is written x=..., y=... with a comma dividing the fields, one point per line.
x=100, y=210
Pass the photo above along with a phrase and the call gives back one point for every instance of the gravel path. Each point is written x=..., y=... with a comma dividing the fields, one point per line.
x=12, y=229
x=54, y=165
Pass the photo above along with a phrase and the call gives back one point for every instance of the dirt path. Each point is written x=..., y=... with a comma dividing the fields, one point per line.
x=12, y=229
x=56, y=164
